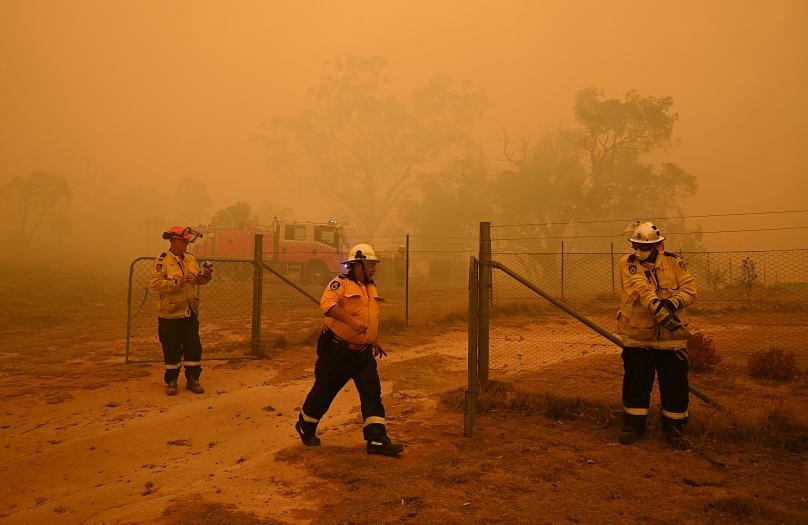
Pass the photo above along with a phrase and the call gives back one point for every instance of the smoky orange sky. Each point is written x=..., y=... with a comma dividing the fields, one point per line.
x=157, y=90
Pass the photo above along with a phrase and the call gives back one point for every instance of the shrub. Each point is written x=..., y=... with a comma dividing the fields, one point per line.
x=701, y=351
x=774, y=364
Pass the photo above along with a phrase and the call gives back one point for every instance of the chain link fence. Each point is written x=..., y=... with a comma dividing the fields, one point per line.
x=226, y=312
x=423, y=281
x=749, y=302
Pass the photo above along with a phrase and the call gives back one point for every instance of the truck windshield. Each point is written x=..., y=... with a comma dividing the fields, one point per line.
x=327, y=235
x=294, y=233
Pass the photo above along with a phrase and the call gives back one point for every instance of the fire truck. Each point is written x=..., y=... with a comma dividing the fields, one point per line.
x=307, y=251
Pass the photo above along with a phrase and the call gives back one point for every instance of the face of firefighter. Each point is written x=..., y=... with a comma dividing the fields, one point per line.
x=178, y=245
x=365, y=270
x=644, y=251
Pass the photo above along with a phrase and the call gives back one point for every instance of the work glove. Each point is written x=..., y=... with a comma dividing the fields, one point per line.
x=666, y=317
x=670, y=304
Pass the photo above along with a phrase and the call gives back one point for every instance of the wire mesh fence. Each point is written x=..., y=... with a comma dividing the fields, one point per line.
x=749, y=302
x=425, y=291
x=420, y=282
x=226, y=311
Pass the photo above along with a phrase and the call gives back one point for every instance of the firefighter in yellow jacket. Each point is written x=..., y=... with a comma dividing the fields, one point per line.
x=174, y=276
x=347, y=349
x=651, y=321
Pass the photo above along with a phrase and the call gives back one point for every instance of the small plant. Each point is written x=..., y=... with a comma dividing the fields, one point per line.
x=748, y=276
x=717, y=278
x=774, y=364
x=701, y=351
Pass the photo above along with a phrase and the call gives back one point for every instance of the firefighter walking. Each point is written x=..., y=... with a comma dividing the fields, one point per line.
x=174, y=276
x=347, y=350
x=651, y=321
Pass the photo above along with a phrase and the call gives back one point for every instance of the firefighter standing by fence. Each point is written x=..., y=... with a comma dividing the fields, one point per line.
x=656, y=287
x=347, y=349
x=174, y=276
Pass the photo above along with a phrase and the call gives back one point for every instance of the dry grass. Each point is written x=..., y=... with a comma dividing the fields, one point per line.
x=771, y=426
x=774, y=364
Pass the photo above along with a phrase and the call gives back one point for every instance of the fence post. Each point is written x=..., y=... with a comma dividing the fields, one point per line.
x=407, y=280
x=562, y=269
x=484, y=301
x=471, y=392
x=129, y=312
x=611, y=261
x=258, y=294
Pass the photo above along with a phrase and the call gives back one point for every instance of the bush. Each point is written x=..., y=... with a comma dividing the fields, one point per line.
x=701, y=351
x=774, y=364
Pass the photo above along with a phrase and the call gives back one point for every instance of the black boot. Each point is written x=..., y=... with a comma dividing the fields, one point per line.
x=675, y=437
x=194, y=386
x=633, y=429
x=171, y=388
x=307, y=432
x=383, y=446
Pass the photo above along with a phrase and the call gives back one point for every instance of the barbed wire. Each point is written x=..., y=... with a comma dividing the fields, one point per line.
x=681, y=252
x=750, y=230
x=710, y=215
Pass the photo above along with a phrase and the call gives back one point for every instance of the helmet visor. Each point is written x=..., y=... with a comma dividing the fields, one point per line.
x=191, y=235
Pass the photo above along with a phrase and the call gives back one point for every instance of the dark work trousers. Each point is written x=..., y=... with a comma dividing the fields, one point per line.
x=180, y=341
x=671, y=367
x=335, y=365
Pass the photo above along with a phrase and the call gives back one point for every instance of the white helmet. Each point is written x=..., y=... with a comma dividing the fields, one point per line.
x=361, y=252
x=647, y=233
x=632, y=227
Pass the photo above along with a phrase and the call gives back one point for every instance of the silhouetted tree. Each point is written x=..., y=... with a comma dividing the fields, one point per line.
x=452, y=203
x=613, y=136
x=542, y=187
x=363, y=146
x=234, y=216
x=596, y=171
x=34, y=198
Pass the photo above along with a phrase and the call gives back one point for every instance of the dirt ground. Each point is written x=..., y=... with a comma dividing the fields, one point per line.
x=89, y=439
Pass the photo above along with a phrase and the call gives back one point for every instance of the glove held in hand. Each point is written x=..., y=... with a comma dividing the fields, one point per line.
x=667, y=318
x=670, y=304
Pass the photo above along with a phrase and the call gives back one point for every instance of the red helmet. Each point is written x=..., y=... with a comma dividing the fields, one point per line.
x=179, y=232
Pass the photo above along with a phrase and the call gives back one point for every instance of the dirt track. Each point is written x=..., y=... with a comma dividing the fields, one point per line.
x=125, y=451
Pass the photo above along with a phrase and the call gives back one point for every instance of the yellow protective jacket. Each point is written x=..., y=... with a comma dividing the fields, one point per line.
x=644, y=284
x=360, y=301
x=175, y=299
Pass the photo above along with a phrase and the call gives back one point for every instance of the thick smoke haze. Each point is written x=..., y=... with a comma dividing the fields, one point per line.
x=143, y=105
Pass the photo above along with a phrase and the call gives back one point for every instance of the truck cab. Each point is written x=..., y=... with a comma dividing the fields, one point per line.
x=307, y=251
x=313, y=251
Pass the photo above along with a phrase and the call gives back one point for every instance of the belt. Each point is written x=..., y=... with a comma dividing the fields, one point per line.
x=342, y=342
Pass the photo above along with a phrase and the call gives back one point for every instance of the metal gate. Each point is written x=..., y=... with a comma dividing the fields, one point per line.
x=230, y=312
